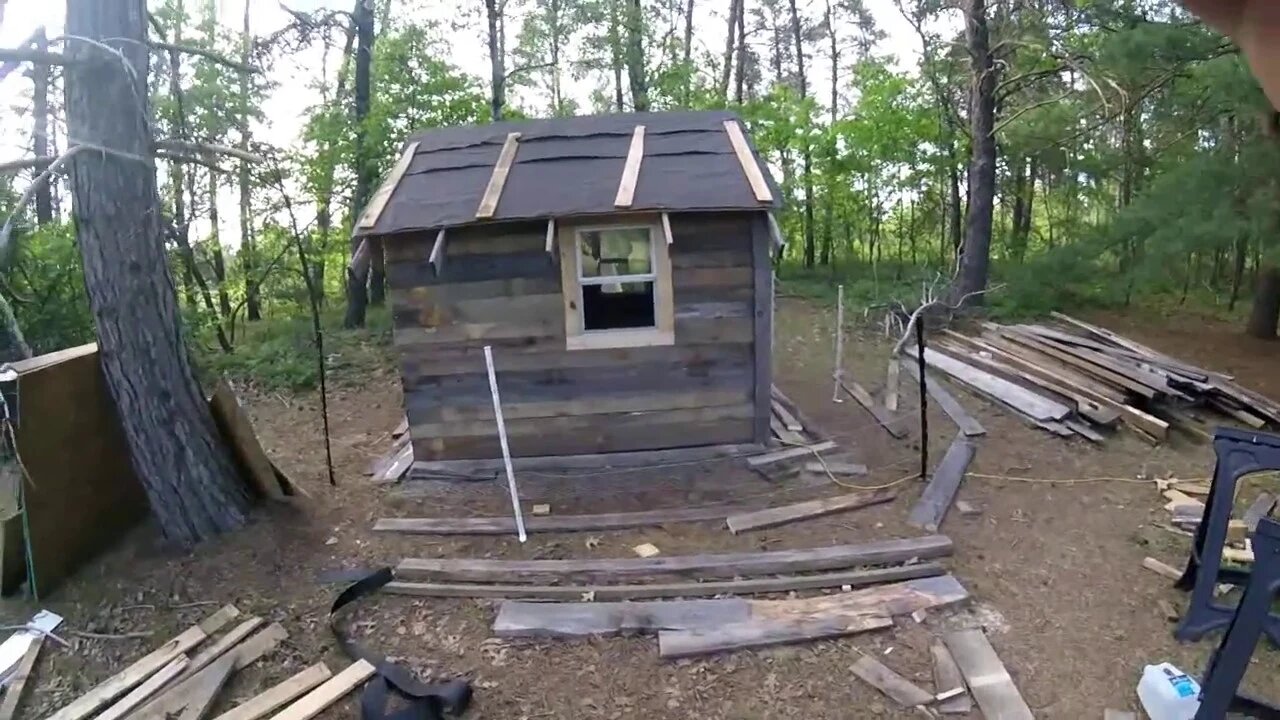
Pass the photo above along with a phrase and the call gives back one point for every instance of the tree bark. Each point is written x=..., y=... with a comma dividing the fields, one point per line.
x=248, y=249
x=186, y=470
x=324, y=208
x=741, y=78
x=1265, y=314
x=357, y=290
x=40, y=129
x=975, y=260
x=729, y=42
x=636, y=74
x=806, y=149
x=688, y=41
x=497, y=60
x=615, y=55
x=829, y=205
x=215, y=250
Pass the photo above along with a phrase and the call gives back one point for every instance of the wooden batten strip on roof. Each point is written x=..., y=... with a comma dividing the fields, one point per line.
x=493, y=193
x=382, y=195
x=748, y=161
x=631, y=170
x=551, y=237
x=437, y=252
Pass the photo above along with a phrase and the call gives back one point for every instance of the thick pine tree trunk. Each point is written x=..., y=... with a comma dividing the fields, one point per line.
x=247, y=248
x=729, y=41
x=637, y=75
x=1265, y=315
x=184, y=466
x=357, y=290
x=975, y=260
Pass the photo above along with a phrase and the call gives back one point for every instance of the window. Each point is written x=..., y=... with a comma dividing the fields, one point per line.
x=617, y=285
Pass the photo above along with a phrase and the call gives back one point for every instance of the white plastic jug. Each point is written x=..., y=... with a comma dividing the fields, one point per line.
x=1167, y=693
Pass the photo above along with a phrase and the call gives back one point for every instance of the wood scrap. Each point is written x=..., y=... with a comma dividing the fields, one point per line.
x=811, y=427
x=894, y=686
x=555, y=523
x=399, y=465
x=890, y=423
x=328, y=692
x=947, y=680
x=198, y=696
x=1161, y=568
x=540, y=510
x=988, y=680
x=1260, y=508
x=709, y=565
x=929, y=512
x=260, y=705
x=789, y=420
x=234, y=424
x=835, y=468
x=852, y=578
x=1177, y=498
x=603, y=619
x=17, y=684
x=773, y=517
x=769, y=458
x=402, y=428
x=143, y=692
x=949, y=404
x=205, y=657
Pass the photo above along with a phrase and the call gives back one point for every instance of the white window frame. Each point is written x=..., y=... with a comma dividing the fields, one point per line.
x=577, y=337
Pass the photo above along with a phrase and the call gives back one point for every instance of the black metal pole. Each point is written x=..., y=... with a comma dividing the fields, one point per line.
x=924, y=400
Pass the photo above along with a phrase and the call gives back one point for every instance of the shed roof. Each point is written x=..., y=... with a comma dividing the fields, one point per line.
x=571, y=166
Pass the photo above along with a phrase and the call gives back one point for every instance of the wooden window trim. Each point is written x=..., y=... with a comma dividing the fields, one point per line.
x=576, y=336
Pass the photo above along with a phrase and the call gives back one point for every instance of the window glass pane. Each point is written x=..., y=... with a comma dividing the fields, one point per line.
x=612, y=252
x=617, y=305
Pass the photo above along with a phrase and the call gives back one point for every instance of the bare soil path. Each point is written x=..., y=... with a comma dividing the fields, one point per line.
x=1054, y=567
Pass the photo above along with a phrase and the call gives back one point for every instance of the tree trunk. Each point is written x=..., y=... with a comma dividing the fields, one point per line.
x=247, y=248
x=806, y=149
x=688, y=49
x=1265, y=315
x=40, y=129
x=357, y=291
x=829, y=209
x=324, y=205
x=1017, y=242
x=215, y=249
x=741, y=78
x=497, y=60
x=975, y=260
x=954, y=214
x=186, y=470
x=636, y=73
x=615, y=55
x=730, y=33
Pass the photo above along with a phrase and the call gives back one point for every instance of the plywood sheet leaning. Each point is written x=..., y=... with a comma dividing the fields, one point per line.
x=145, y=667
x=952, y=407
x=709, y=565
x=986, y=676
x=899, y=689
x=936, y=499
x=773, y=517
x=776, y=622
x=233, y=423
x=553, y=523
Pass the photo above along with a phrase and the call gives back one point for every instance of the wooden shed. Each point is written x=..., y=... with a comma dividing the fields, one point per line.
x=620, y=267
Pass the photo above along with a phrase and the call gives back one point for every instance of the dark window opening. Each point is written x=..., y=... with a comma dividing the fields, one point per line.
x=618, y=306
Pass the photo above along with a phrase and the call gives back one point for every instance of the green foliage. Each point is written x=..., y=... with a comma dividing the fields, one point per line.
x=47, y=284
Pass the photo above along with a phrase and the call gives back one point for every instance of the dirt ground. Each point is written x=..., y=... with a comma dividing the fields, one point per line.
x=1053, y=567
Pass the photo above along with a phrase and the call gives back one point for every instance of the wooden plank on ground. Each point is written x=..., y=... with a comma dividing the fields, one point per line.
x=145, y=667
x=199, y=694
x=946, y=678
x=631, y=170
x=739, y=564
x=882, y=416
x=773, y=517
x=602, y=619
x=660, y=590
x=748, y=162
x=143, y=692
x=952, y=407
x=789, y=453
x=835, y=467
x=18, y=683
x=777, y=622
x=891, y=386
x=554, y=523
x=988, y=680
x=810, y=425
x=329, y=692
x=1260, y=508
x=1077, y=362
x=1032, y=404
x=493, y=191
x=894, y=686
x=787, y=418
x=934, y=502
x=399, y=465
x=278, y=696
x=205, y=657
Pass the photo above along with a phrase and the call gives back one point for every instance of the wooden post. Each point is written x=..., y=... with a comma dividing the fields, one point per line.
x=838, y=372
x=502, y=437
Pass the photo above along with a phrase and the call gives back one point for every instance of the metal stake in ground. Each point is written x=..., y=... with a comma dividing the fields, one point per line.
x=924, y=403
x=502, y=437
x=838, y=372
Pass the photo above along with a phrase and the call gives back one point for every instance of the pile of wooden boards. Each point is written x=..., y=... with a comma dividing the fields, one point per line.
x=393, y=466
x=789, y=424
x=688, y=628
x=1186, y=511
x=183, y=678
x=1074, y=378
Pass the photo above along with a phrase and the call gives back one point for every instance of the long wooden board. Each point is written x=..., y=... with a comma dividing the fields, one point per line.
x=789, y=454
x=882, y=416
x=205, y=657
x=936, y=499
x=1033, y=405
x=17, y=685
x=946, y=678
x=497, y=180
x=631, y=170
x=553, y=523
x=279, y=695
x=740, y=564
x=143, y=692
x=851, y=578
x=145, y=667
x=987, y=677
x=602, y=619
x=1077, y=363
x=952, y=407
x=773, y=517
x=750, y=167
x=899, y=689
x=329, y=692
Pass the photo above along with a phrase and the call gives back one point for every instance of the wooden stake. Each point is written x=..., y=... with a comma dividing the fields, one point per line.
x=506, y=450
x=838, y=373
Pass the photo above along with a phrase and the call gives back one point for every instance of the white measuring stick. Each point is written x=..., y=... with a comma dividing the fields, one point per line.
x=838, y=372
x=502, y=436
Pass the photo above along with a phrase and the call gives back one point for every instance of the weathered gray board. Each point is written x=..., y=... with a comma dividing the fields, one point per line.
x=553, y=523
x=901, y=690
x=853, y=578
x=552, y=619
x=934, y=502
x=882, y=415
x=741, y=564
x=487, y=469
x=788, y=621
x=987, y=677
x=952, y=407
x=773, y=517
x=1035, y=406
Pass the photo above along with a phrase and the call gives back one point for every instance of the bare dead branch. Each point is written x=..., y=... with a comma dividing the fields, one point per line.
x=207, y=54
x=1033, y=106
x=7, y=230
x=31, y=55
x=184, y=146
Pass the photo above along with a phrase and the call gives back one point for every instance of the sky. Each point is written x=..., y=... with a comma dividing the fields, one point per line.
x=283, y=111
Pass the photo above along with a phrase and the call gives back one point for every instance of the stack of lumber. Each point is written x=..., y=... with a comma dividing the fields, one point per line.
x=789, y=425
x=1073, y=378
x=688, y=628
x=184, y=677
x=1186, y=510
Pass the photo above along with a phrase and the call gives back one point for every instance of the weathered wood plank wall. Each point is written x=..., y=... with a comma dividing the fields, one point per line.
x=500, y=287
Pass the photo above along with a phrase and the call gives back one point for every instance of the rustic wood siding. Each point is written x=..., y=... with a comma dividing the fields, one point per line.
x=500, y=287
